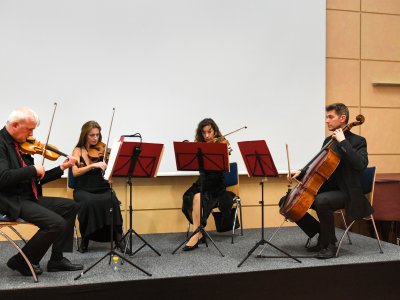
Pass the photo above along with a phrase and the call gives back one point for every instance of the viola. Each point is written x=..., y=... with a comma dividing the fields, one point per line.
x=317, y=171
x=223, y=140
x=33, y=146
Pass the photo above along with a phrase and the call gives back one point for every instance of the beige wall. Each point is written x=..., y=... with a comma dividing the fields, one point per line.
x=363, y=47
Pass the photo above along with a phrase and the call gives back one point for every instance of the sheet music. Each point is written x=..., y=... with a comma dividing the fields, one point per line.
x=113, y=156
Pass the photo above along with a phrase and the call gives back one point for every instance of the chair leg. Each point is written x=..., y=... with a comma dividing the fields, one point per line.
x=240, y=216
x=238, y=205
x=17, y=233
x=376, y=234
x=234, y=222
x=341, y=239
x=35, y=279
x=76, y=238
x=345, y=225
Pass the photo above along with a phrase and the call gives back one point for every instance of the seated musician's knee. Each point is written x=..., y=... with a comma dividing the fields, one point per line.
x=58, y=225
x=321, y=202
x=73, y=207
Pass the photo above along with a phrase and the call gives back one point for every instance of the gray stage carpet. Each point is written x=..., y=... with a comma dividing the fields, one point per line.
x=203, y=261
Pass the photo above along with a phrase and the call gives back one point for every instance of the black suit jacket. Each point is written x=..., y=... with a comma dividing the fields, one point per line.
x=354, y=159
x=16, y=181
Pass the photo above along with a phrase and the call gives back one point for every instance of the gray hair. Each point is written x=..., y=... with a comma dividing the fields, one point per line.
x=22, y=114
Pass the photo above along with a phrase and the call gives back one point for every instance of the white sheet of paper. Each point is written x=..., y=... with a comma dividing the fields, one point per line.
x=111, y=161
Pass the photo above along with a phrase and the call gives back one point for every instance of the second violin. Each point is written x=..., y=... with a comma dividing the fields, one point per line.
x=98, y=152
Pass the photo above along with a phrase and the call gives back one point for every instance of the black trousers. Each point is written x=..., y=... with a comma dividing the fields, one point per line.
x=325, y=204
x=55, y=218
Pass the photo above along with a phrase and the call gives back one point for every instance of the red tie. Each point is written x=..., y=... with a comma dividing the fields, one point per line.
x=34, y=188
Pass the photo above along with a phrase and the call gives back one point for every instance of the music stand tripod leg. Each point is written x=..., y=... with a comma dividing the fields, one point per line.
x=111, y=253
x=263, y=241
x=207, y=235
x=131, y=231
x=188, y=238
x=250, y=252
x=145, y=244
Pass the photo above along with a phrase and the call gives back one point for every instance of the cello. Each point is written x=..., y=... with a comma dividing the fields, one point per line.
x=315, y=174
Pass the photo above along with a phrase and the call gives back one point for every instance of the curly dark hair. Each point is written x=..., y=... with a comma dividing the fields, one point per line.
x=207, y=121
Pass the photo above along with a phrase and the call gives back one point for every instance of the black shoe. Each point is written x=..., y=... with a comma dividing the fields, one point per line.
x=328, y=252
x=23, y=268
x=62, y=265
x=203, y=240
x=316, y=248
x=190, y=248
x=83, y=247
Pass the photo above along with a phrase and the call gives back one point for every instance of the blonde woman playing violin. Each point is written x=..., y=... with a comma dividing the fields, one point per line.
x=214, y=189
x=93, y=192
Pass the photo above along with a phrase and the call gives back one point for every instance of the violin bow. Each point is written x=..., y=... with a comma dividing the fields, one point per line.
x=48, y=134
x=244, y=127
x=109, y=132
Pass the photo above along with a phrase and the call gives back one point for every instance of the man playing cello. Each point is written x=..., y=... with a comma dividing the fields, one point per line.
x=342, y=189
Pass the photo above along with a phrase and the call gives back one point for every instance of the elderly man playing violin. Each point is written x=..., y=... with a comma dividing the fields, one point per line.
x=21, y=197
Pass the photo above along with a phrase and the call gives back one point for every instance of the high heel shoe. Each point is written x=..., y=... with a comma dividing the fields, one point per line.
x=190, y=248
x=83, y=247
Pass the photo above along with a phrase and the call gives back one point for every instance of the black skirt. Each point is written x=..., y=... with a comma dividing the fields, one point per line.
x=96, y=198
x=214, y=195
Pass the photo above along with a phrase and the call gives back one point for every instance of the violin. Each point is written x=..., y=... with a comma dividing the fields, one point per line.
x=96, y=152
x=223, y=140
x=33, y=146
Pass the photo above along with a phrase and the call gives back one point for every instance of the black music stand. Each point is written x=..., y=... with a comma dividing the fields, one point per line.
x=259, y=163
x=136, y=159
x=201, y=157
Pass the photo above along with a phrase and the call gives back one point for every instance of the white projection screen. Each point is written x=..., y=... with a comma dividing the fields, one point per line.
x=165, y=65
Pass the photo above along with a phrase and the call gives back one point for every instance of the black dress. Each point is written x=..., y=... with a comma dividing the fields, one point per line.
x=214, y=195
x=95, y=197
